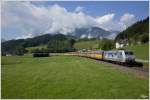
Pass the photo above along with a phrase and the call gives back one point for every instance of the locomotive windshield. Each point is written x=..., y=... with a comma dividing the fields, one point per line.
x=128, y=53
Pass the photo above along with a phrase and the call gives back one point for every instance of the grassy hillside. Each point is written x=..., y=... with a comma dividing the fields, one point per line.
x=66, y=77
x=140, y=51
x=87, y=44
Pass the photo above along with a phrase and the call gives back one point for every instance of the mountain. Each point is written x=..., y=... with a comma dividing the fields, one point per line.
x=2, y=40
x=138, y=32
x=93, y=32
x=113, y=34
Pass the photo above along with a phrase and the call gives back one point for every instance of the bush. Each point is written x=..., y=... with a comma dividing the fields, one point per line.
x=40, y=54
x=145, y=38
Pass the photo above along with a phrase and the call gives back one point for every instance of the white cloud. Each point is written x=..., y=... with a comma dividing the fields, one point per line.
x=127, y=19
x=25, y=36
x=108, y=23
x=105, y=19
x=66, y=22
x=27, y=20
x=24, y=17
x=79, y=9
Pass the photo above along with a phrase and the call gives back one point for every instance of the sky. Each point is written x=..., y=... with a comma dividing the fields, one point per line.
x=29, y=19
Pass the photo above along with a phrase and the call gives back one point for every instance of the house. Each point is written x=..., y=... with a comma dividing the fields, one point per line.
x=118, y=45
x=121, y=44
x=8, y=55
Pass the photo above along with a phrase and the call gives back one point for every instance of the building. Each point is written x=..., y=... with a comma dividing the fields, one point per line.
x=121, y=44
x=118, y=45
x=8, y=55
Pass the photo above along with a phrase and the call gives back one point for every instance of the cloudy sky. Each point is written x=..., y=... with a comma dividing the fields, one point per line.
x=28, y=19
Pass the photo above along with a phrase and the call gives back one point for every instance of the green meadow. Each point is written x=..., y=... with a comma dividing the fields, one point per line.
x=66, y=77
x=140, y=51
x=87, y=44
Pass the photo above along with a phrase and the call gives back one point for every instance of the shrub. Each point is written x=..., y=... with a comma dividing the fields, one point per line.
x=40, y=54
x=145, y=38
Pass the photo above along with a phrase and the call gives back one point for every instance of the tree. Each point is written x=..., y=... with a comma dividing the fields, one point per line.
x=107, y=45
x=145, y=38
x=61, y=45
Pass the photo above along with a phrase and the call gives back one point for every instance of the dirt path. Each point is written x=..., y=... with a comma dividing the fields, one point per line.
x=138, y=71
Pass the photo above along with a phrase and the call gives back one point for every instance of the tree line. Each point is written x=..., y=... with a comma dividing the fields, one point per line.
x=55, y=43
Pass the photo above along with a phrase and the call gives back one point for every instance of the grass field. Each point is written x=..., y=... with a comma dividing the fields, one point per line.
x=87, y=44
x=66, y=77
x=140, y=51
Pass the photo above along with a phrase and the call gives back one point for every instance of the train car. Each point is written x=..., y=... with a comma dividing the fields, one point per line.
x=88, y=54
x=99, y=55
x=92, y=55
x=121, y=56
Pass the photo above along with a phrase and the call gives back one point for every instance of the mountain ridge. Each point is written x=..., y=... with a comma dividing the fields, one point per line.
x=92, y=32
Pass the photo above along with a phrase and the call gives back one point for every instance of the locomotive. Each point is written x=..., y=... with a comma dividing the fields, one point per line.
x=119, y=56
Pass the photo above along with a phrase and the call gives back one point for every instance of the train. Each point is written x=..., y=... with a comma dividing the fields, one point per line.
x=125, y=57
x=114, y=56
